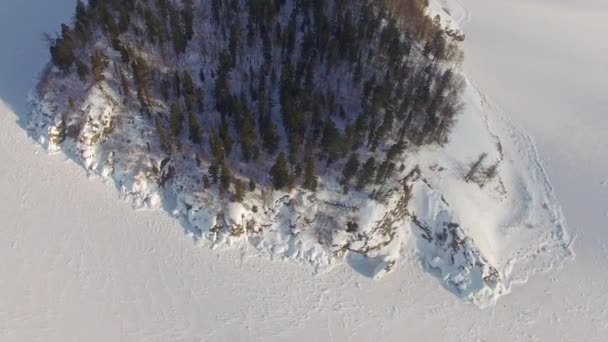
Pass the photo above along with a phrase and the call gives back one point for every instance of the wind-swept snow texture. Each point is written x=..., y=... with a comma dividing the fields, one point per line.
x=77, y=265
x=477, y=234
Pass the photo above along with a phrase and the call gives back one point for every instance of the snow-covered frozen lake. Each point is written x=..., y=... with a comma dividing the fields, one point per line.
x=77, y=264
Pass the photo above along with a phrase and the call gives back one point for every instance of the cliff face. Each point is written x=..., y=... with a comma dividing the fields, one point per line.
x=314, y=131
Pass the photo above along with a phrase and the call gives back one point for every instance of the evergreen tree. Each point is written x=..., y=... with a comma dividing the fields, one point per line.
x=248, y=137
x=165, y=87
x=239, y=191
x=367, y=173
x=176, y=120
x=384, y=171
x=154, y=27
x=200, y=99
x=350, y=168
x=214, y=170
x=62, y=49
x=188, y=83
x=310, y=176
x=332, y=140
x=280, y=172
x=143, y=80
x=178, y=35
x=396, y=150
x=223, y=95
x=81, y=19
x=161, y=135
x=291, y=181
x=225, y=177
x=269, y=135
x=177, y=84
x=217, y=147
x=189, y=91
x=234, y=42
x=124, y=19
x=82, y=69
x=361, y=129
x=195, y=129
x=99, y=62
x=226, y=137
x=188, y=19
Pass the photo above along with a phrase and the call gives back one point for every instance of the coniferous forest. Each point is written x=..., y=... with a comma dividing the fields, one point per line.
x=277, y=91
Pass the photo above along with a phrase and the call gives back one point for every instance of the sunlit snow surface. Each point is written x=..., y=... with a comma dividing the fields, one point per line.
x=69, y=248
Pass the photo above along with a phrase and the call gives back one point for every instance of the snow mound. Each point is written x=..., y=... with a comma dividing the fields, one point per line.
x=480, y=238
x=477, y=232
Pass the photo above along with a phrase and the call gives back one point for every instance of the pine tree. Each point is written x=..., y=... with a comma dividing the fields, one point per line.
x=143, y=80
x=82, y=69
x=395, y=150
x=200, y=99
x=62, y=49
x=361, y=130
x=279, y=172
x=177, y=85
x=154, y=27
x=217, y=146
x=188, y=18
x=248, y=137
x=187, y=83
x=214, y=170
x=252, y=185
x=310, y=176
x=161, y=135
x=367, y=173
x=385, y=170
x=124, y=20
x=225, y=176
x=226, y=137
x=176, y=120
x=332, y=140
x=269, y=135
x=195, y=129
x=99, y=62
x=178, y=35
x=165, y=87
x=234, y=42
x=291, y=181
x=81, y=17
x=239, y=191
x=223, y=95
x=350, y=168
